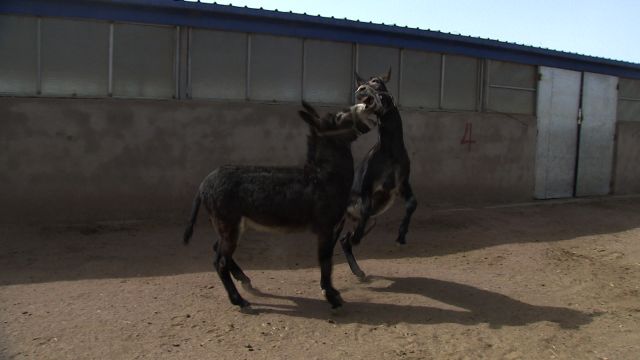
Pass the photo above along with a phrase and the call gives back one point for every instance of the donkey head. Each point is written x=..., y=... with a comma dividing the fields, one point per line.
x=376, y=82
x=379, y=101
x=346, y=125
x=330, y=138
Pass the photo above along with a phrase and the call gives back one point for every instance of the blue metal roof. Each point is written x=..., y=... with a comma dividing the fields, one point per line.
x=232, y=18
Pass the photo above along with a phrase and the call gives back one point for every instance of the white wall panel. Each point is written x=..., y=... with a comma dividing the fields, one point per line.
x=328, y=72
x=420, y=84
x=376, y=60
x=629, y=100
x=511, y=87
x=460, y=88
x=75, y=57
x=218, y=64
x=143, y=61
x=276, y=68
x=19, y=55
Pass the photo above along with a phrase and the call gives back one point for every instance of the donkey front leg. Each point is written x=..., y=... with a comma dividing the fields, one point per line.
x=410, y=204
x=326, y=243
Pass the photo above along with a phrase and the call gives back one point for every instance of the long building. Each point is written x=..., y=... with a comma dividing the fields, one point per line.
x=116, y=109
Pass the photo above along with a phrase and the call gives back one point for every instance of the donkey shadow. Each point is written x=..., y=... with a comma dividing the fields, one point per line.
x=480, y=306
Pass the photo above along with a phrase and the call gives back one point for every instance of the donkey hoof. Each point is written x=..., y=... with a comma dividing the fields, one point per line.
x=249, y=310
x=401, y=242
x=246, y=285
x=242, y=303
x=363, y=278
x=337, y=311
x=336, y=305
x=359, y=274
x=333, y=297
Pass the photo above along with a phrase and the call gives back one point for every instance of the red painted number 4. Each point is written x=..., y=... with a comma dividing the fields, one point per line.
x=466, y=138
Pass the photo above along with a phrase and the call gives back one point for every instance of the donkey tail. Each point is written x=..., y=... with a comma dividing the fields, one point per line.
x=188, y=232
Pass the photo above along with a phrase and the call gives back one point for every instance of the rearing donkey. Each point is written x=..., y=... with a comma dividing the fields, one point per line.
x=383, y=173
x=289, y=199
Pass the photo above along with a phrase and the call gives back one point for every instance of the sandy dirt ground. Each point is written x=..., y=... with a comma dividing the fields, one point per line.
x=558, y=280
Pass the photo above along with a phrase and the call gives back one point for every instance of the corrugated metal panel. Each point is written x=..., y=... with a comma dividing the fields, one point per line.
x=420, y=84
x=595, y=164
x=510, y=87
x=629, y=88
x=230, y=18
x=19, y=59
x=328, y=72
x=276, y=68
x=143, y=61
x=557, y=111
x=75, y=57
x=460, y=88
x=376, y=60
x=629, y=110
x=629, y=100
x=511, y=74
x=218, y=64
x=511, y=101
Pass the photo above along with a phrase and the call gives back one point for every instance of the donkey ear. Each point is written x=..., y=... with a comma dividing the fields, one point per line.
x=310, y=109
x=309, y=119
x=387, y=77
x=359, y=79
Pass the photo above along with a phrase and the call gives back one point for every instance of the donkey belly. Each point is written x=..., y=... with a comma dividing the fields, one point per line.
x=279, y=201
x=381, y=202
x=273, y=227
x=384, y=203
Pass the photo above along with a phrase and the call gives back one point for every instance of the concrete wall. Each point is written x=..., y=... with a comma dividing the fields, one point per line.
x=105, y=159
x=627, y=161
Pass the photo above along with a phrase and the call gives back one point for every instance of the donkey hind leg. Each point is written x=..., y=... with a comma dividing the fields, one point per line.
x=380, y=200
x=229, y=233
x=372, y=205
x=347, y=248
x=236, y=271
x=365, y=213
x=326, y=243
x=410, y=204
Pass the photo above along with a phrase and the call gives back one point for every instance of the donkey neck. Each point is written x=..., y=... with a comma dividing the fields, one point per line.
x=390, y=132
x=329, y=163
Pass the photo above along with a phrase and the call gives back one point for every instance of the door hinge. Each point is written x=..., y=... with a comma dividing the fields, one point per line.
x=579, y=116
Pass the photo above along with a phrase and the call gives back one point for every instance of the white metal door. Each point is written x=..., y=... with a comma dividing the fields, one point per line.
x=557, y=112
x=595, y=157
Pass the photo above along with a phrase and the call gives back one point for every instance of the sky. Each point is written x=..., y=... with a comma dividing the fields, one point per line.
x=603, y=28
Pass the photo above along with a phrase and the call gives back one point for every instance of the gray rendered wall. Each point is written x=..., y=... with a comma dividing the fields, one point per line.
x=112, y=159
